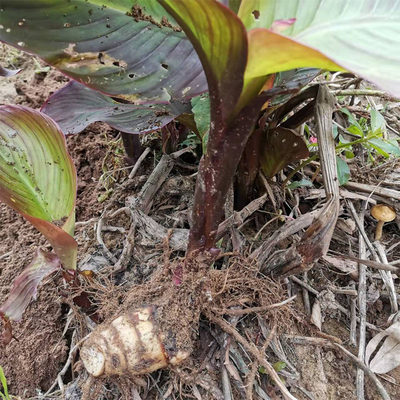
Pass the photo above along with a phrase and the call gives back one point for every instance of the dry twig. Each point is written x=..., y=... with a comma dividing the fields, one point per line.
x=253, y=350
x=252, y=376
x=362, y=309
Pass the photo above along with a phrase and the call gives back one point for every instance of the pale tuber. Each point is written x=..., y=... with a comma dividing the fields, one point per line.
x=131, y=344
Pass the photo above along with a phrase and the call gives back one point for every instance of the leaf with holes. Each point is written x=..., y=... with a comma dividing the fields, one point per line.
x=75, y=106
x=25, y=286
x=37, y=176
x=129, y=49
x=281, y=147
x=361, y=36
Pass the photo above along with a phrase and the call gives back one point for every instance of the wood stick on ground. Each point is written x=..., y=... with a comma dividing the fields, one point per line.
x=138, y=163
x=144, y=199
x=252, y=376
x=362, y=187
x=306, y=296
x=237, y=218
x=353, y=322
x=254, y=351
x=370, y=263
x=226, y=384
x=382, y=391
x=385, y=275
x=289, y=229
x=362, y=308
x=100, y=240
x=249, y=310
x=127, y=250
x=365, y=92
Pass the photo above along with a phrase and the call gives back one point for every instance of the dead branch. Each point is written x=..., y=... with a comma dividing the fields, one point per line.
x=252, y=376
x=315, y=242
x=390, y=194
x=249, y=310
x=382, y=391
x=253, y=350
x=365, y=92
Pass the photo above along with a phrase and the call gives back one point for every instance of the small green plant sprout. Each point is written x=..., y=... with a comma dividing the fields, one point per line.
x=372, y=136
x=368, y=134
x=38, y=180
x=4, y=393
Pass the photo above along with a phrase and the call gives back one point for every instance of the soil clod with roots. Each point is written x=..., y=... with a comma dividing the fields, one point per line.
x=176, y=296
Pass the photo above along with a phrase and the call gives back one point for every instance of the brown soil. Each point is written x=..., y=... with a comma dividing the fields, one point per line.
x=31, y=363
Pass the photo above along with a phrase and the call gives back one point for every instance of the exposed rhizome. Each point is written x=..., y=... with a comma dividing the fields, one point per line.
x=195, y=303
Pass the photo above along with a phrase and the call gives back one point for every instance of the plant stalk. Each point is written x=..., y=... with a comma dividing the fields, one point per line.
x=217, y=168
x=133, y=147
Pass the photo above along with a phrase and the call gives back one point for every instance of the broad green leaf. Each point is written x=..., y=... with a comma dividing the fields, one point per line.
x=385, y=147
x=300, y=183
x=271, y=52
x=201, y=111
x=123, y=48
x=362, y=36
x=25, y=286
x=349, y=154
x=378, y=122
x=355, y=130
x=219, y=38
x=343, y=171
x=355, y=126
x=37, y=176
x=75, y=106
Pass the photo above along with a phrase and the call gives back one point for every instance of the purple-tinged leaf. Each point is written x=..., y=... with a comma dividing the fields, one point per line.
x=37, y=176
x=25, y=286
x=248, y=169
x=8, y=72
x=118, y=47
x=74, y=107
x=281, y=147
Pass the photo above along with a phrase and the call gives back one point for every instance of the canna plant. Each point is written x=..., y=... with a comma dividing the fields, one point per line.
x=137, y=64
x=146, y=59
x=38, y=180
